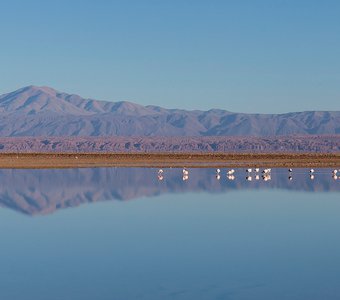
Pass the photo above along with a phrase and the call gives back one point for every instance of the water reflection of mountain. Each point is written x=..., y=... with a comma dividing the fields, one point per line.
x=44, y=191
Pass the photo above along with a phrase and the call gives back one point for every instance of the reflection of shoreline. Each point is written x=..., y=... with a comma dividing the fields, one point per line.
x=77, y=160
x=44, y=191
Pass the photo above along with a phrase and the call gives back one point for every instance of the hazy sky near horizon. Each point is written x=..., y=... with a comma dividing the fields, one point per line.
x=271, y=56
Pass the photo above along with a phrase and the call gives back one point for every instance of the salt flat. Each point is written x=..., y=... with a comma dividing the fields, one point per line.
x=79, y=160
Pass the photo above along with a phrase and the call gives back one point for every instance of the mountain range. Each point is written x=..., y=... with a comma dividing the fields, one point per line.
x=43, y=111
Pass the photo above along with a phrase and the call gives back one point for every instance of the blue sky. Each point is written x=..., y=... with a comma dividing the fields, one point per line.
x=244, y=56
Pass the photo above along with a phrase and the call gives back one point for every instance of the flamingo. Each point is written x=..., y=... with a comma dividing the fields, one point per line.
x=160, y=174
x=266, y=171
x=185, y=174
x=185, y=171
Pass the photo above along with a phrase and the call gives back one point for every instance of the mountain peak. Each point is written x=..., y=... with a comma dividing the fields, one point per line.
x=36, y=99
x=34, y=89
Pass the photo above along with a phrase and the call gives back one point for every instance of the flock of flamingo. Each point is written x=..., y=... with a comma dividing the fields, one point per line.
x=251, y=174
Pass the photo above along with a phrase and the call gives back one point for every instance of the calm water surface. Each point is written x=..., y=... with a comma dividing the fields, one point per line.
x=201, y=238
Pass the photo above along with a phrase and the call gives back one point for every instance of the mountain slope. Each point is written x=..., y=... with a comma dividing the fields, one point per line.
x=43, y=111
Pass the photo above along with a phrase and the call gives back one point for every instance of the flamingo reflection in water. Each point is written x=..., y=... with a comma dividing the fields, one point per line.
x=160, y=175
x=218, y=174
x=334, y=174
x=230, y=174
x=185, y=173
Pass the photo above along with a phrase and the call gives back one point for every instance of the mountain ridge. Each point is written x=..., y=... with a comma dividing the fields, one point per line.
x=119, y=144
x=44, y=111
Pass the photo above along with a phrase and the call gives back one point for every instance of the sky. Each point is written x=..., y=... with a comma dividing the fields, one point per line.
x=252, y=56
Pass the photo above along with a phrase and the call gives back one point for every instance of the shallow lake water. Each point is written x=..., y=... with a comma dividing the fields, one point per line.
x=122, y=233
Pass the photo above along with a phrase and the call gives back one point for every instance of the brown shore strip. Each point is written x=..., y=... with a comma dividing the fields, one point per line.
x=164, y=160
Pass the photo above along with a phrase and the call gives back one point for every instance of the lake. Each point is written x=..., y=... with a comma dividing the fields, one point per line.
x=134, y=233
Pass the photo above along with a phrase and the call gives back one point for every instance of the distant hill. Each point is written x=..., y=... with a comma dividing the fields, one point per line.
x=43, y=111
x=306, y=143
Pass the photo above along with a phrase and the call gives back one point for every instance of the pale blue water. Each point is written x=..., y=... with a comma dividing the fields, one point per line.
x=173, y=239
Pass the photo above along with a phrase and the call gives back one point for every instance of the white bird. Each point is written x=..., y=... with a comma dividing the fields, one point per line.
x=160, y=175
x=249, y=170
x=185, y=171
x=257, y=170
x=311, y=171
x=218, y=176
x=290, y=178
x=249, y=178
x=334, y=171
x=311, y=177
x=266, y=171
x=334, y=177
x=257, y=177
x=290, y=170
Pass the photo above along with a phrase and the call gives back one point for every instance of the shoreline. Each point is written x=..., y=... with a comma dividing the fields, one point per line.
x=50, y=160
